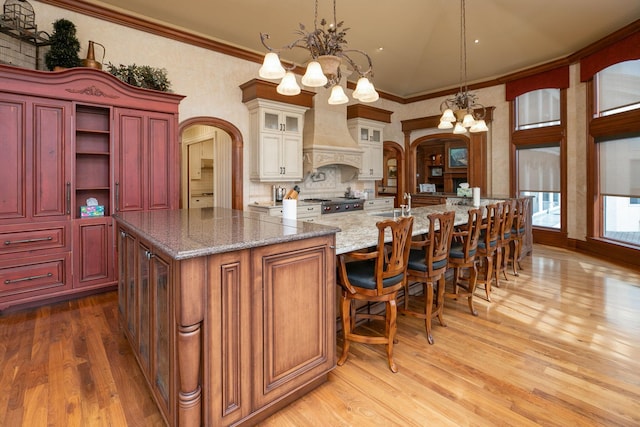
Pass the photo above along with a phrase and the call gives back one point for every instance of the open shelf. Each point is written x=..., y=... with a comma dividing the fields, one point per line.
x=93, y=157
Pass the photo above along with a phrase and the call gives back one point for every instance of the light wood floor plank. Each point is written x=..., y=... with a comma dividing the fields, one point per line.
x=559, y=345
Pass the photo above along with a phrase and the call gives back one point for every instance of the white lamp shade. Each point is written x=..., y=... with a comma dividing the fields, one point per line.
x=445, y=125
x=448, y=116
x=271, y=67
x=338, y=96
x=313, y=77
x=372, y=97
x=468, y=120
x=480, y=126
x=364, y=88
x=459, y=129
x=288, y=86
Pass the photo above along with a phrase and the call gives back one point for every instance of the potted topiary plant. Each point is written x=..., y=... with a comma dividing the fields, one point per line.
x=64, y=46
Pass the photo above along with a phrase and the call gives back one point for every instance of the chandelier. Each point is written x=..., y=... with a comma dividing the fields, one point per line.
x=328, y=49
x=463, y=108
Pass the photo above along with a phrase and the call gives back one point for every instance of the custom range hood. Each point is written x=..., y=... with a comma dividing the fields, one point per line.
x=326, y=140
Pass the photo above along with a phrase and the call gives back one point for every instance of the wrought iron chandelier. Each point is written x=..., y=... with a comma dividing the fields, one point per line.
x=463, y=108
x=328, y=49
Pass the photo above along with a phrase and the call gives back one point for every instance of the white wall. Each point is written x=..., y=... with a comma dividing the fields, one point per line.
x=210, y=81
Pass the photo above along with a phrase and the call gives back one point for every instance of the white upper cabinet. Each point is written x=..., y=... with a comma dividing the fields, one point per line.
x=276, y=140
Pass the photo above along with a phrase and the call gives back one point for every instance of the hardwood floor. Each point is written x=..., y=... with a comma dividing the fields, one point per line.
x=558, y=346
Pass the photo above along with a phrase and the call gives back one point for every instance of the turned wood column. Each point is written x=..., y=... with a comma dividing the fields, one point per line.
x=189, y=318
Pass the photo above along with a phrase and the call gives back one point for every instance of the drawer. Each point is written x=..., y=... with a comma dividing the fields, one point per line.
x=378, y=204
x=308, y=211
x=38, y=275
x=33, y=239
x=201, y=202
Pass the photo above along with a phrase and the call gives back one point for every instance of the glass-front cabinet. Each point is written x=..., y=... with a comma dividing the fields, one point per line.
x=276, y=140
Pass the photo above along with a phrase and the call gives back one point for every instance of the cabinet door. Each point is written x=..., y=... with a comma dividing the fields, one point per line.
x=93, y=252
x=227, y=349
x=130, y=163
x=291, y=157
x=146, y=170
x=294, y=320
x=270, y=149
x=372, y=161
x=51, y=163
x=162, y=177
x=13, y=160
x=161, y=331
x=126, y=274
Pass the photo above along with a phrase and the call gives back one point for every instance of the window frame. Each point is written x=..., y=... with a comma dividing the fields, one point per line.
x=599, y=128
x=539, y=137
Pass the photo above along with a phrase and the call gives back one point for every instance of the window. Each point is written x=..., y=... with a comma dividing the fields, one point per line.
x=539, y=176
x=620, y=188
x=539, y=145
x=618, y=88
x=538, y=108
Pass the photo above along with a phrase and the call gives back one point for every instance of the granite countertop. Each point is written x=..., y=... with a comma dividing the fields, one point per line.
x=189, y=233
x=358, y=229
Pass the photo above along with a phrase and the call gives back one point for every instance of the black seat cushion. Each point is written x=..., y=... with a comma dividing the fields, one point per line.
x=482, y=245
x=457, y=251
x=362, y=275
x=416, y=261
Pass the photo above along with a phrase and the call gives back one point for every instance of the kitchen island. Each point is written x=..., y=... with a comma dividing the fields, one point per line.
x=358, y=229
x=230, y=314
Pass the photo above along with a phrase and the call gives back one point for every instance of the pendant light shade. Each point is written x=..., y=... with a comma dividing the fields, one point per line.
x=271, y=67
x=468, y=120
x=338, y=96
x=480, y=126
x=364, y=89
x=459, y=129
x=448, y=116
x=288, y=86
x=314, y=77
x=444, y=124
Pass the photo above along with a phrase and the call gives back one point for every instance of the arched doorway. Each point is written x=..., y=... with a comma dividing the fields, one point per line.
x=236, y=150
x=393, y=174
x=433, y=163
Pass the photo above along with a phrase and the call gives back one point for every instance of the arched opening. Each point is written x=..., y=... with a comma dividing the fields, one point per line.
x=393, y=173
x=441, y=160
x=230, y=155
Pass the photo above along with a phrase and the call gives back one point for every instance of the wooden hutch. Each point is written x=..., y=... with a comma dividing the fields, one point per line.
x=69, y=137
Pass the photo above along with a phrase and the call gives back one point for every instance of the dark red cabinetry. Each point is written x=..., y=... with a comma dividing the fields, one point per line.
x=69, y=137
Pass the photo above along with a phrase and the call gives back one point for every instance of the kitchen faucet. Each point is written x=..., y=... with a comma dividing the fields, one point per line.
x=407, y=197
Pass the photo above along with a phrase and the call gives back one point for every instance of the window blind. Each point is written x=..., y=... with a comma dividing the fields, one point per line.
x=539, y=169
x=620, y=167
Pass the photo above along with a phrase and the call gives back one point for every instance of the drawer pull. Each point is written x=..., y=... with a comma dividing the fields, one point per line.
x=41, y=239
x=24, y=279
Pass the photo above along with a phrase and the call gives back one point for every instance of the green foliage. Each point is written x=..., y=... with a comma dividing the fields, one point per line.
x=64, y=46
x=142, y=76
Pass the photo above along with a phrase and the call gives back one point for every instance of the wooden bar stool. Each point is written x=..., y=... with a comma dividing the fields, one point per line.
x=462, y=255
x=487, y=247
x=376, y=277
x=427, y=264
x=504, y=239
x=517, y=232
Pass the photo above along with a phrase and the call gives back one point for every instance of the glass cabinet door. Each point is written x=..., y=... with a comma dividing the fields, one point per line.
x=162, y=326
x=292, y=123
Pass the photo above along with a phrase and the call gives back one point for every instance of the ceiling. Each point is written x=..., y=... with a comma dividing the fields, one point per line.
x=419, y=38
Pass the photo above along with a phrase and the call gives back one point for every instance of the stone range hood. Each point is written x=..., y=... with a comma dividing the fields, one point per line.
x=326, y=139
